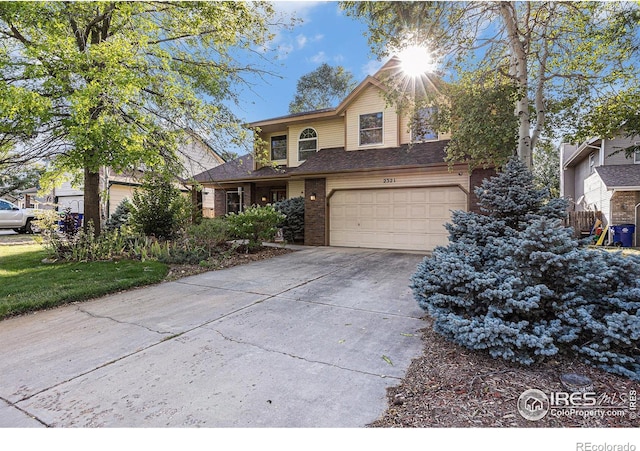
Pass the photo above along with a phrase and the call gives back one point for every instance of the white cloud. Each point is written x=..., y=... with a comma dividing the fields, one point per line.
x=301, y=40
x=318, y=58
x=338, y=58
x=300, y=10
x=372, y=67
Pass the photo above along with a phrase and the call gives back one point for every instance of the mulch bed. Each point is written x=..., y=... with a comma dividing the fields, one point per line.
x=451, y=386
x=226, y=260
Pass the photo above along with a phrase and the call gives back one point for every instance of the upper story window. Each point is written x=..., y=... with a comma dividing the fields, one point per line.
x=370, y=129
x=307, y=144
x=422, y=129
x=592, y=163
x=636, y=154
x=279, y=147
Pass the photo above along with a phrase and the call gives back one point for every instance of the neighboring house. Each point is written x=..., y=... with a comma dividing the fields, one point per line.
x=597, y=175
x=367, y=182
x=196, y=156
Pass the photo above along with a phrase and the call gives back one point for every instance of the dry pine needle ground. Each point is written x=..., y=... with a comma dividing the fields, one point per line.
x=451, y=386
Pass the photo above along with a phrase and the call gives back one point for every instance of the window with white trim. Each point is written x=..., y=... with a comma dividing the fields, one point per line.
x=592, y=163
x=371, y=129
x=636, y=154
x=307, y=143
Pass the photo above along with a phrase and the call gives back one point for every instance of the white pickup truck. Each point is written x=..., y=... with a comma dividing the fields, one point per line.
x=18, y=219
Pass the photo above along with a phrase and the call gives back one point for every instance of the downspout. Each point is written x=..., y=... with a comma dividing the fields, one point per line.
x=635, y=222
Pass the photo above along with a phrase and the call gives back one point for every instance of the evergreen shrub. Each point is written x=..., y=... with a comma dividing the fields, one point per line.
x=293, y=223
x=516, y=283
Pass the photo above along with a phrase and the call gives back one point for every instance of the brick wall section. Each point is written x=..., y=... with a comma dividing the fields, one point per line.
x=477, y=176
x=262, y=191
x=248, y=196
x=622, y=207
x=315, y=212
x=623, y=210
x=220, y=202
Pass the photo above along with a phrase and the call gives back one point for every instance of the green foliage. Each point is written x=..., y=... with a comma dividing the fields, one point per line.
x=255, y=224
x=546, y=167
x=158, y=207
x=293, y=223
x=92, y=84
x=322, y=88
x=479, y=115
x=209, y=233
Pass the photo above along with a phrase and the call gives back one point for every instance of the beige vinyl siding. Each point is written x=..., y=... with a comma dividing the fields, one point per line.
x=396, y=179
x=196, y=157
x=330, y=134
x=295, y=188
x=371, y=101
x=117, y=193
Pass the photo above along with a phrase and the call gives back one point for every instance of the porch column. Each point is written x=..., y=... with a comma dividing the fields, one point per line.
x=315, y=212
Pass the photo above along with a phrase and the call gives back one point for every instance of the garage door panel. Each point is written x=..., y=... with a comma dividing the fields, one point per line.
x=405, y=218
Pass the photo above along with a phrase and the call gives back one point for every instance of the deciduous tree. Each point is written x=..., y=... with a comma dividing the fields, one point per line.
x=92, y=84
x=322, y=88
x=562, y=56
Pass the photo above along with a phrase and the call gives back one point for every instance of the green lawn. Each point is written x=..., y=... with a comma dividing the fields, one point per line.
x=27, y=284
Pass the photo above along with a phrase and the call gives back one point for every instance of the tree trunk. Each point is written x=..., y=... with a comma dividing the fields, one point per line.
x=92, y=200
x=519, y=72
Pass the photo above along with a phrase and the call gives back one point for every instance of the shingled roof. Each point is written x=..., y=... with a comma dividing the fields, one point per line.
x=338, y=160
x=333, y=160
x=623, y=176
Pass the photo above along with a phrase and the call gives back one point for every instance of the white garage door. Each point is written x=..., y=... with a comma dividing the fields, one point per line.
x=405, y=218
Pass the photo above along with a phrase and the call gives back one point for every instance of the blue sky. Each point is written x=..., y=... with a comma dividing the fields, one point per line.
x=324, y=35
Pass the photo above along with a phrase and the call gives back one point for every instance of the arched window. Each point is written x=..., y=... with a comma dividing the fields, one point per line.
x=307, y=143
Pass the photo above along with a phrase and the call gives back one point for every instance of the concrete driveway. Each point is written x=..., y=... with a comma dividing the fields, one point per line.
x=308, y=339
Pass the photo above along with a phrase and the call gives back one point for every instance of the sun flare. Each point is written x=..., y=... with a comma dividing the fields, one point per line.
x=416, y=60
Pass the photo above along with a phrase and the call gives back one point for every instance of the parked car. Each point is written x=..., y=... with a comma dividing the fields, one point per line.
x=18, y=219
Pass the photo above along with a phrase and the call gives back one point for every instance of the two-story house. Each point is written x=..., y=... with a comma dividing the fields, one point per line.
x=367, y=179
x=597, y=175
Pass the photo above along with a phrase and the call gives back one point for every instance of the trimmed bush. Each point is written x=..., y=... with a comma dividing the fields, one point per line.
x=293, y=223
x=515, y=283
x=255, y=225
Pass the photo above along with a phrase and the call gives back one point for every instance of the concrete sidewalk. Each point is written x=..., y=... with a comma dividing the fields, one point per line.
x=308, y=339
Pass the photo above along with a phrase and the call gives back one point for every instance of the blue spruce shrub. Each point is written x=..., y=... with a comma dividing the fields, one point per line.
x=515, y=283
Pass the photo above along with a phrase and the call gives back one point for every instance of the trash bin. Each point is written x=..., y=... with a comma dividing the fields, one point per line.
x=623, y=234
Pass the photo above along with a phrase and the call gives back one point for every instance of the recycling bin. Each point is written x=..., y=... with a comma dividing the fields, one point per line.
x=623, y=234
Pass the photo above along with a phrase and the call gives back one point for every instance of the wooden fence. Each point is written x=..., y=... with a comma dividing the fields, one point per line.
x=582, y=221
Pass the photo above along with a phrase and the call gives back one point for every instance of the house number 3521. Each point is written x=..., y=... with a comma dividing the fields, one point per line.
x=393, y=180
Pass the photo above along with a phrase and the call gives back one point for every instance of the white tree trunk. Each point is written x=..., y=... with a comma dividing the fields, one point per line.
x=519, y=72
